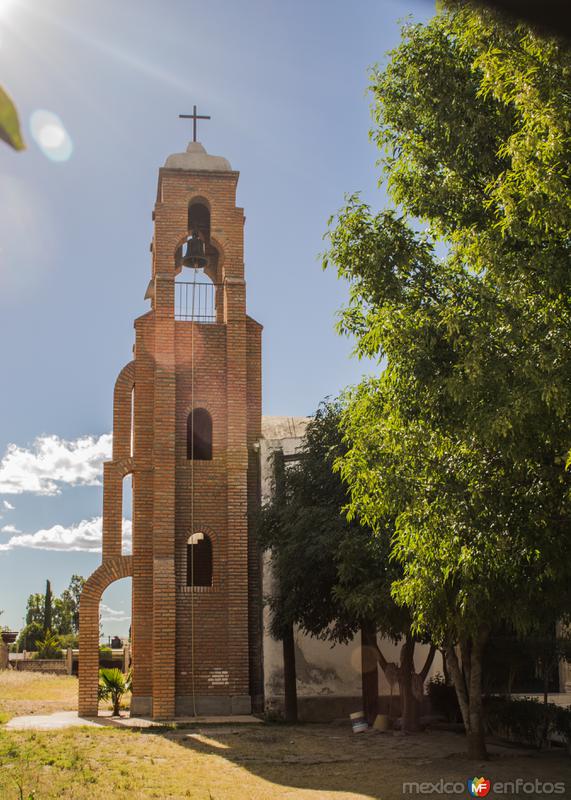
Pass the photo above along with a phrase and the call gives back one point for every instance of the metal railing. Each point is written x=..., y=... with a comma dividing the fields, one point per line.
x=195, y=301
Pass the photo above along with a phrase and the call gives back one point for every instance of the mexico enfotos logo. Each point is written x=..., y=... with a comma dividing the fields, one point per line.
x=481, y=787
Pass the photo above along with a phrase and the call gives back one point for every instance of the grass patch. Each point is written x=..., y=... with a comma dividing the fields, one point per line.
x=23, y=693
x=231, y=762
x=245, y=763
x=30, y=686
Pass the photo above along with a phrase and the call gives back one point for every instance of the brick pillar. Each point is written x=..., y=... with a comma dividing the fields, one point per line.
x=88, y=668
x=237, y=465
x=142, y=598
x=112, y=510
x=164, y=587
x=142, y=595
x=255, y=599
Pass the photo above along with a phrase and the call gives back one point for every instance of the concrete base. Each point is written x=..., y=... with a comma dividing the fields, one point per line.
x=48, y=722
x=210, y=705
x=141, y=706
x=213, y=705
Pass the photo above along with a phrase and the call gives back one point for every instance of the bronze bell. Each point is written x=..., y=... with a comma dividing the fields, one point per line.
x=195, y=255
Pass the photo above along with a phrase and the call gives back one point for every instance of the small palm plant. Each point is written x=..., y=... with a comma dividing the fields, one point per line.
x=113, y=684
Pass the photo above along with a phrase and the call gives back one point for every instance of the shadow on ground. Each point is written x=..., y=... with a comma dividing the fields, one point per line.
x=332, y=761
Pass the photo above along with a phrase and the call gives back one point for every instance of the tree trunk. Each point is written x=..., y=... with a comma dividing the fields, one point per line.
x=476, y=739
x=468, y=684
x=405, y=674
x=445, y=671
x=369, y=673
x=290, y=687
x=410, y=707
x=545, y=731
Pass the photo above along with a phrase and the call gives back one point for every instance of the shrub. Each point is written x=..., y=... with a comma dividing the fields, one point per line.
x=49, y=646
x=105, y=652
x=525, y=721
x=443, y=698
x=113, y=685
x=69, y=640
x=29, y=637
x=563, y=723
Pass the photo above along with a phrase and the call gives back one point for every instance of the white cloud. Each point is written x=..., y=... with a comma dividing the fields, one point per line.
x=84, y=536
x=51, y=462
x=9, y=529
x=8, y=506
x=111, y=615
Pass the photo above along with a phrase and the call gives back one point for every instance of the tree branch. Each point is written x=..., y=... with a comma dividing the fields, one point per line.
x=428, y=663
x=382, y=660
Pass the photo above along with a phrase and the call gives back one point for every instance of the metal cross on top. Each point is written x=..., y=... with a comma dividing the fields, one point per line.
x=194, y=117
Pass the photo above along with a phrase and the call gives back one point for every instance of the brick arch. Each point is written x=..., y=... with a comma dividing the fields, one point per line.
x=122, y=412
x=200, y=528
x=126, y=466
x=199, y=402
x=110, y=571
x=216, y=243
x=199, y=198
x=215, y=278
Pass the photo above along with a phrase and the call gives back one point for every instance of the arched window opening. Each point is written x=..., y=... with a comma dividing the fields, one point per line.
x=115, y=624
x=127, y=516
x=199, y=295
x=199, y=560
x=199, y=435
x=132, y=438
x=199, y=221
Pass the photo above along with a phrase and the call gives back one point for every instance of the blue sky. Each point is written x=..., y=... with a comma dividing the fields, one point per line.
x=285, y=84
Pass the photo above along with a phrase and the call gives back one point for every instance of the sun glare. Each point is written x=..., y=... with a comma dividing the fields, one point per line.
x=51, y=136
x=5, y=6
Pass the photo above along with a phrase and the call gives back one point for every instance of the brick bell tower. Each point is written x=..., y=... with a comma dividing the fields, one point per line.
x=187, y=414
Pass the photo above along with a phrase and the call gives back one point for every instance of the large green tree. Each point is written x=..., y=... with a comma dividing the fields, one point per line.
x=463, y=288
x=70, y=603
x=45, y=612
x=35, y=609
x=332, y=576
x=48, y=608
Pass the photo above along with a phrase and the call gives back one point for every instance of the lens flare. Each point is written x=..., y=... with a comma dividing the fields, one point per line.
x=50, y=135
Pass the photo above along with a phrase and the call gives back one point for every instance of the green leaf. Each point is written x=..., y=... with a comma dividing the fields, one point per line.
x=9, y=122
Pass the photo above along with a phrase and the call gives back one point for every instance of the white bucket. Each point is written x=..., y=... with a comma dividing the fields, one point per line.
x=358, y=722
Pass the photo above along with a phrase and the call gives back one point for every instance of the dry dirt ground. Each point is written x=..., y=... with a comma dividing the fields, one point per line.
x=32, y=693
x=227, y=762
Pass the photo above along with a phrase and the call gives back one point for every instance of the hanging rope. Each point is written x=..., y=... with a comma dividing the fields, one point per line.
x=192, y=503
